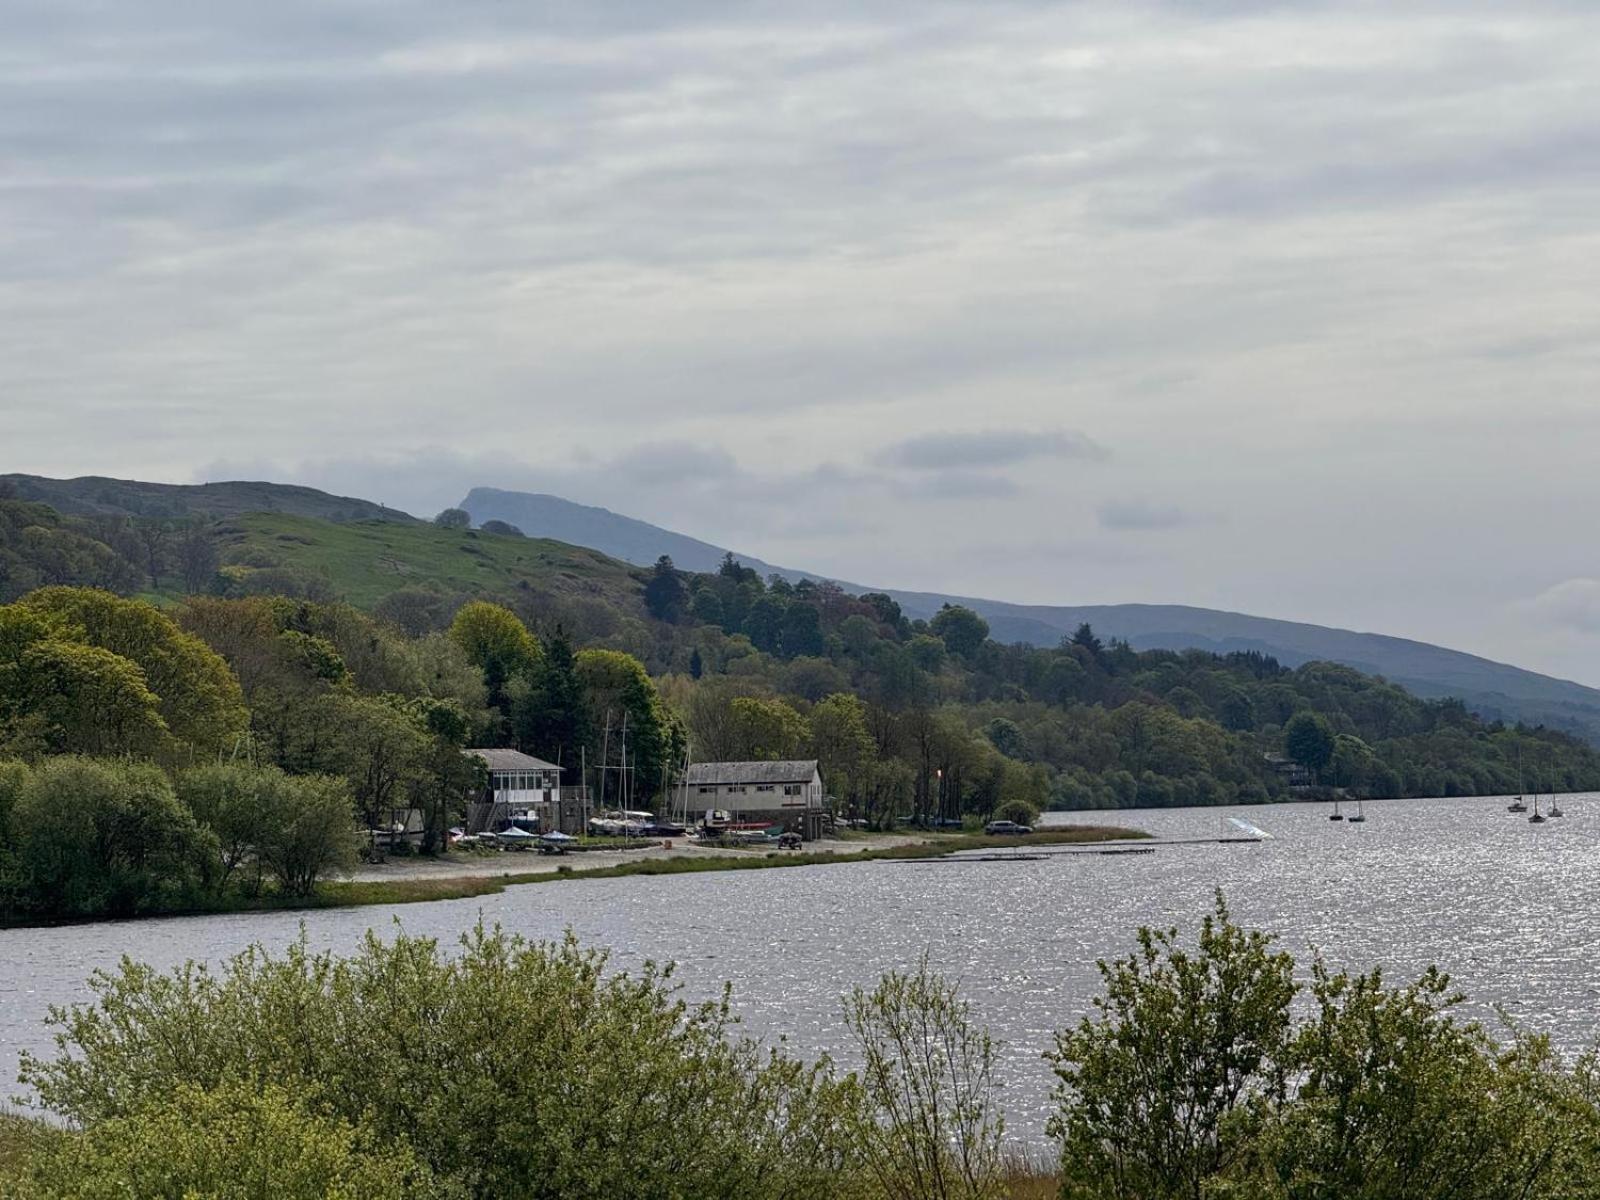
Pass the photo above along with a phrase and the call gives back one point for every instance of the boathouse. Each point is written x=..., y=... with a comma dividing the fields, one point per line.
x=517, y=787
x=789, y=793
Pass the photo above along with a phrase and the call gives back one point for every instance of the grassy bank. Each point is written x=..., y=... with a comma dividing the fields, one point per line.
x=408, y=891
x=461, y=887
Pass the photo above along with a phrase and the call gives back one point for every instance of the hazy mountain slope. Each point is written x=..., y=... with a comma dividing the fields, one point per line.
x=1494, y=689
x=94, y=495
x=631, y=540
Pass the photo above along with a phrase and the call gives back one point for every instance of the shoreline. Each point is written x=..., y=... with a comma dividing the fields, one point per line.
x=417, y=881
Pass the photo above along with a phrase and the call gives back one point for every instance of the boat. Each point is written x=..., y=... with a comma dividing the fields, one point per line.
x=1359, y=818
x=1538, y=817
x=1517, y=806
x=1336, y=815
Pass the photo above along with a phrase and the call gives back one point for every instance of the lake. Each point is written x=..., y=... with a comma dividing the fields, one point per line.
x=1507, y=907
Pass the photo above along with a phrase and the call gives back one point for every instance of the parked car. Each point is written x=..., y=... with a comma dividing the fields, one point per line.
x=1006, y=829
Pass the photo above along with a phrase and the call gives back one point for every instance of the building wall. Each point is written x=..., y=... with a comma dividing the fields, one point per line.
x=752, y=796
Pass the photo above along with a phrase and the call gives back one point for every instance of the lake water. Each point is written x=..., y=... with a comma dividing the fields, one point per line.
x=1506, y=907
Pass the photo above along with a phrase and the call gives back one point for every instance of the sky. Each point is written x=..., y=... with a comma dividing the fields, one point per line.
x=1290, y=309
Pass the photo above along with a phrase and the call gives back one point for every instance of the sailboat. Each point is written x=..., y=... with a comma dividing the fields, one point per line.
x=1360, y=816
x=1555, y=809
x=1336, y=815
x=1517, y=806
x=1538, y=817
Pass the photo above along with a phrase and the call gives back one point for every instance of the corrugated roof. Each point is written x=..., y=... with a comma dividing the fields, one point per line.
x=511, y=760
x=795, y=771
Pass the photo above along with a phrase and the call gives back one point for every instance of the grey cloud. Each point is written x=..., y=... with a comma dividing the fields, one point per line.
x=989, y=448
x=698, y=260
x=1573, y=604
x=1140, y=516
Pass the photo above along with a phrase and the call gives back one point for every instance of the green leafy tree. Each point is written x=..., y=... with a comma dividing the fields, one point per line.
x=1159, y=1089
x=98, y=838
x=499, y=644
x=766, y=729
x=932, y=1125
x=842, y=742
x=199, y=698
x=307, y=831
x=1309, y=741
x=664, y=595
x=962, y=630
x=453, y=518
x=231, y=801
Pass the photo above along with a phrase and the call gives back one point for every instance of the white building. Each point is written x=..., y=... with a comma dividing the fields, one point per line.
x=520, y=786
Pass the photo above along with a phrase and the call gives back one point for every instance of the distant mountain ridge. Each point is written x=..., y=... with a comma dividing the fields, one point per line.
x=1495, y=690
x=97, y=495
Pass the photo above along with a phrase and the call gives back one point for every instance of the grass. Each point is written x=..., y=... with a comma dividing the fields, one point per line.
x=462, y=887
x=410, y=891
x=366, y=560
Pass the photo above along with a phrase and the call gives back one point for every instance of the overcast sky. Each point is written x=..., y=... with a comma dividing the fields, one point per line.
x=1289, y=309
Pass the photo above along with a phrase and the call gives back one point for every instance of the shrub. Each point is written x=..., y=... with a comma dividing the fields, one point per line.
x=511, y=1068
x=1019, y=811
x=104, y=838
x=931, y=1126
x=229, y=1144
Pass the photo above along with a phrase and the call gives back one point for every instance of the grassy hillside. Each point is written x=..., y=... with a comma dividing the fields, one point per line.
x=94, y=495
x=366, y=560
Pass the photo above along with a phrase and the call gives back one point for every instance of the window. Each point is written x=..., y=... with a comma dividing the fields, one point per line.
x=705, y=791
x=763, y=787
x=791, y=789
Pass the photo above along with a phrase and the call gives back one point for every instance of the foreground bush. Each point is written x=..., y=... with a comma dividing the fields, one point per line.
x=1194, y=1080
x=511, y=1069
x=229, y=1144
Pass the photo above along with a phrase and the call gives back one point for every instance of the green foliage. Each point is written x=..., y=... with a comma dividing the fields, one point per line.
x=233, y=1143
x=305, y=830
x=40, y=548
x=764, y=729
x=494, y=639
x=453, y=518
x=1308, y=740
x=401, y=1045
x=199, y=699
x=1195, y=1079
x=96, y=838
x=665, y=596
x=931, y=1125
x=962, y=630
x=1158, y=1090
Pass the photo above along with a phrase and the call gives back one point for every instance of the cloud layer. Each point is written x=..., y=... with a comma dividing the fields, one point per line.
x=989, y=298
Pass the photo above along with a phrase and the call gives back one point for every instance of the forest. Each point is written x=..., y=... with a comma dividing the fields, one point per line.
x=141, y=662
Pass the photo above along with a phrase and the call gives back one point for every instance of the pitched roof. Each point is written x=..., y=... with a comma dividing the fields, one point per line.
x=794, y=771
x=511, y=760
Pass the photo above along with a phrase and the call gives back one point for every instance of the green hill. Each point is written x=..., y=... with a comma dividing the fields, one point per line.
x=364, y=561
x=98, y=496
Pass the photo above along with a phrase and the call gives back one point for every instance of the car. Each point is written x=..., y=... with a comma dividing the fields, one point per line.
x=1006, y=829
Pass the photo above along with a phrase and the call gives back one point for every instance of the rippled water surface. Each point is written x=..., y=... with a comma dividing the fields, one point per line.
x=1506, y=907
